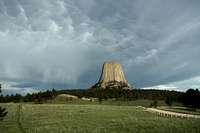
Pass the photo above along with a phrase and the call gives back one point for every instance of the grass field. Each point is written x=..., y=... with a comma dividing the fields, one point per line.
x=71, y=118
x=139, y=102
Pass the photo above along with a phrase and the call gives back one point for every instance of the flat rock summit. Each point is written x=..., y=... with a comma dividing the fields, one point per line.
x=112, y=77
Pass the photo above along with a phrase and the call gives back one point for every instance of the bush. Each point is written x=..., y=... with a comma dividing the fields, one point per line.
x=100, y=100
x=169, y=100
x=154, y=104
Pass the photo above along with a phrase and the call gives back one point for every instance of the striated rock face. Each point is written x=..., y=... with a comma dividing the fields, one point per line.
x=112, y=76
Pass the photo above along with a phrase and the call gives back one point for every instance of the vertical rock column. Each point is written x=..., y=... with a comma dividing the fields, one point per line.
x=112, y=76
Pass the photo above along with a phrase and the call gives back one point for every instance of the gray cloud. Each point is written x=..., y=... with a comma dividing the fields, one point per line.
x=63, y=43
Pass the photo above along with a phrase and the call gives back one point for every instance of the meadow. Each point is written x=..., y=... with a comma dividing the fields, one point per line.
x=90, y=118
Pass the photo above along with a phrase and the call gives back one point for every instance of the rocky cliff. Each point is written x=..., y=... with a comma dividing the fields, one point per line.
x=112, y=76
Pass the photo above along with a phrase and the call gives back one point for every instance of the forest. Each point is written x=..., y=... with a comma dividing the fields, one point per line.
x=190, y=98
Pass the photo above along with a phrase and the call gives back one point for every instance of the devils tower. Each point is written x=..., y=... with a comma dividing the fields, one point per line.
x=112, y=76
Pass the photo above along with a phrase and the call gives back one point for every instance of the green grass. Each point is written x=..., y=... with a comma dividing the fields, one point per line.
x=72, y=118
x=139, y=102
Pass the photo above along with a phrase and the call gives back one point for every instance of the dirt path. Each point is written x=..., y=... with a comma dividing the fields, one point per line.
x=172, y=114
x=19, y=118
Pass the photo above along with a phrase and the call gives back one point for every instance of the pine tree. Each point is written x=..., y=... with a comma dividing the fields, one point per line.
x=169, y=100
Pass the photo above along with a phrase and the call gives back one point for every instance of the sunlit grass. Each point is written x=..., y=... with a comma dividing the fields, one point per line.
x=64, y=118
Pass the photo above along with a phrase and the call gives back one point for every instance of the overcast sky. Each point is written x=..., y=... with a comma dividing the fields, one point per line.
x=63, y=43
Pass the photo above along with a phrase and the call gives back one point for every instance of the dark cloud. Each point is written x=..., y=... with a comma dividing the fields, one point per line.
x=63, y=43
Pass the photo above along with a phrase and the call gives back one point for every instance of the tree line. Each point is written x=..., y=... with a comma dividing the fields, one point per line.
x=190, y=98
x=38, y=97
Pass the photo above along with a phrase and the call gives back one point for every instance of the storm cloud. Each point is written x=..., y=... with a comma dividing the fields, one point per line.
x=63, y=43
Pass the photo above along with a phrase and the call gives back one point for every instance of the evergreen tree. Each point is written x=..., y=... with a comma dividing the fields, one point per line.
x=192, y=99
x=168, y=100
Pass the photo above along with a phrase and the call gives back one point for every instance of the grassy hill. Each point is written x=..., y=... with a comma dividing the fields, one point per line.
x=64, y=118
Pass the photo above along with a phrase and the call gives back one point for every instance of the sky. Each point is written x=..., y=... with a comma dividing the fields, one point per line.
x=62, y=44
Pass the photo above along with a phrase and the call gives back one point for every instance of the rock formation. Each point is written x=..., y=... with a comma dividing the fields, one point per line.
x=112, y=77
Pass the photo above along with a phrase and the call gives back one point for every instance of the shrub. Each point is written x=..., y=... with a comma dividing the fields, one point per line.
x=169, y=100
x=154, y=104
